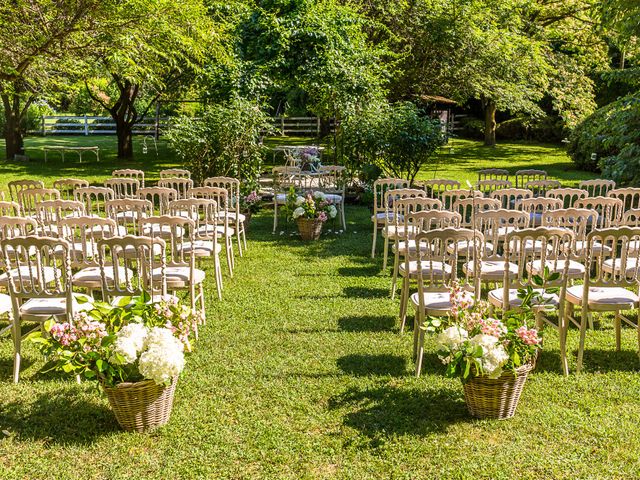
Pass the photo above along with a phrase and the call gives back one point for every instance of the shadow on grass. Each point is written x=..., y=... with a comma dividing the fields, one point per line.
x=63, y=418
x=601, y=360
x=368, y=323
x=366, y=271
x=385, y=412
x=373, y=365
x=366, y=292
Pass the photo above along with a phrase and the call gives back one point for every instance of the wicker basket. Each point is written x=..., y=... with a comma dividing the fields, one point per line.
x=495, y=398
x=141, y=406
x=309, y=228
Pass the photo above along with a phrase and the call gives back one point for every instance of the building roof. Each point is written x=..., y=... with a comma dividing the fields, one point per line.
x=437, y=99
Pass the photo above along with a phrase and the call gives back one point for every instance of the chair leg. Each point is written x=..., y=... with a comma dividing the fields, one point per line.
x=239, y=241
x=385, y=252
x=590, y=317
x=420, y=353
x=375, y=237
x=344, y=220
x=562, y=327
x=394, y=281
x=617, y=325
x=218, y=272
x=404, y=302
x=583, y=330
x=275, y=216
x=203, y=315
x=244, y=237
x=17, y=338
x=415, y=336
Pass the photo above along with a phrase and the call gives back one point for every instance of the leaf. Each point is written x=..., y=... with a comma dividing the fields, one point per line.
x=100, y=365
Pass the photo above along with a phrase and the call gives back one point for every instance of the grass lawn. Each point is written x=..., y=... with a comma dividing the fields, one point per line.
x=301, y=373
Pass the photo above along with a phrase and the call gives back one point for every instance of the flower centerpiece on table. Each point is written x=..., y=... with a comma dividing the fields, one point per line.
x=492, y=357
x=310, y=158
x=132, y=346
x=310, y=212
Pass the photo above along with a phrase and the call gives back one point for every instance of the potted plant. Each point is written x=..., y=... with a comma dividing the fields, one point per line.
x=310, y=212
x=134, y=350
x=250, y=204
x=491, y=357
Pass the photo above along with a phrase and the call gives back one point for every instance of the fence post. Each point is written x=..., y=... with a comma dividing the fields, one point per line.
x=43, y=129
x=86, y=125
x=282, y=129
x=318, y=118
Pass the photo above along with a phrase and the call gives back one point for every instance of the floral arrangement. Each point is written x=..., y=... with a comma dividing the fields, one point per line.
x=314, y=205
x=472, y=343
x=252, y=202
x=129, y=342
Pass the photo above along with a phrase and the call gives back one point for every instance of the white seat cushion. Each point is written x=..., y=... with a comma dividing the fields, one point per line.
x=604, y=298
x=200, y=247
x=281, y=198
x=496, y=296
x=90, y=276
x=576, y=269
x=632, y=264
x=178, y=275
x=54, y=306
x=392, y=231
x=597, y=248
x=410, y=247
x=380, y=217
x=208, y=230
x=5, y=303
x=232, y=216
x=99, y=230
x=491, y=270
x=26, y=275
x=464, y=245
x=436, y=301
x=129, y=215
x=334, y=198
x=436, y=268
x=162, y=230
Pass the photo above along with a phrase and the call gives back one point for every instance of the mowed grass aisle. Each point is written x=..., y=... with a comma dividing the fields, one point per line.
x=301, y=373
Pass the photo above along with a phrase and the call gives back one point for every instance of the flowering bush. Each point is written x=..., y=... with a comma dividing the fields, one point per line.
x=314, y=205
x=252, y=202
x=472, y=343
x=129, y=342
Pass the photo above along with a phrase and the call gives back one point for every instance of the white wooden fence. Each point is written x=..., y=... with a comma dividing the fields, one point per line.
x=93, y=125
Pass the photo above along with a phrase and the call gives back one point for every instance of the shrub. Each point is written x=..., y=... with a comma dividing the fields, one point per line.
x=548, y=128
x=613, y=134
x=224, y=141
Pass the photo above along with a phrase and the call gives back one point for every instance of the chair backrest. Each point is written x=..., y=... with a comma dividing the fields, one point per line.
x=94, y=199
x=538, y=205
x=493, y=174
x=9, y=208
x=129, y=212
x=84, y=233
x=609, y=210
x=139, y=256
x=67, y=187
x=175, y=173
x=16, y=186
x=528, y=175
x=30, y=197
x=578, y=220
x=631, y=218
x=496, y=224
x=50, y=212
x=540, y=247
x=181, y=230
x=123, y=187
x=17, y=227
x=568, y=196
x=203, y=212
x=331, y=179
x=232, y=185
x=467, y=207
x=610, y=259
x=180, y=184
x=598, y=187
x=435, y=187
x=509, y=197
x=437, y=254
x=130, y=173
x=541, y=187
x=45, y=269
x=380, y=189
x=159, y=198
x=399, y=194
x=450, y=197
x=426, y=220
x=284, y=177
x=488, y=186
x=630, y=197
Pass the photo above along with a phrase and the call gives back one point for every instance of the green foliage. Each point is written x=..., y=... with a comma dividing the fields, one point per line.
x=612, y=134
x=225, y=140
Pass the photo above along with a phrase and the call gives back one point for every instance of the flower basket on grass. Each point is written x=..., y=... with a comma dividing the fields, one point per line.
x=250, y=204
x=134, y=350
x=491, y=357
x=310, y=212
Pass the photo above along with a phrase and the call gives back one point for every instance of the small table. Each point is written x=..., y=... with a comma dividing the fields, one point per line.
x=78, y=150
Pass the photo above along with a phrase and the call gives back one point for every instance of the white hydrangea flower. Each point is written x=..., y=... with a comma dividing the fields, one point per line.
x=162, y=338
x=487, y=342
x=451, y=337
x=332, y=211
x=298, y=212
x=130, y=341
x=164, y=358
x=494, y=355
x=126, y=348
x=319, y=196
x=299, y=201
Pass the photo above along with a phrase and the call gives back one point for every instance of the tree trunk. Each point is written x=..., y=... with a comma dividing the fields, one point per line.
x=125, y=139
x=490, y=123
x=14, y=141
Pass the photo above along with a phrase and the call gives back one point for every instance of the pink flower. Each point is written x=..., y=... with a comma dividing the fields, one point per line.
x=528, y=336
x=323, y=217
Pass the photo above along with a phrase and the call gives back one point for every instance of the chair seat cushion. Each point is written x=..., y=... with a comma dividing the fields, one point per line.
x=232, y=216
x=575, y=269
x=333, y=198
x=381, y=216
x=491, y=270
x=464, y=245
x=597, y=248
x=409, y=247
x=100, y=230
x=208, y=230
x=436, y=301
x=54, y=306
x=178, y=276
x=200, y=247
x=164, y=231
x=496, y=297
x=129, y=215
x=5, y=303
x=24, y=274
x=604, y=298
x=632, y=265
x=393, y=231
x=281, y=198
x=428, y=268
x=90, y=276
